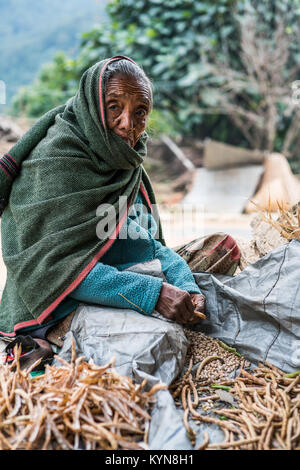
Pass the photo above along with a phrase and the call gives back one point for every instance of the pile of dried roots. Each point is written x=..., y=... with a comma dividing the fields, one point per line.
x=257, y=410
x=76, y=406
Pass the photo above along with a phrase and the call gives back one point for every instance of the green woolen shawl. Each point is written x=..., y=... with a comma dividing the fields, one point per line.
x=51, y=184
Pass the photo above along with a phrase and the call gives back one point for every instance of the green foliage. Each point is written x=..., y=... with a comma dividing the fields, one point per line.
x=169, y=40
x=161, y=122
x=56, y=83
x=166, y=38
x=172, y=40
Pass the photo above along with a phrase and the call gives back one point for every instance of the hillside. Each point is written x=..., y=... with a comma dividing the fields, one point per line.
x=33, y=31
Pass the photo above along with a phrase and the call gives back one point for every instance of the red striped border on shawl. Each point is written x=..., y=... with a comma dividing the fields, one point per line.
x=9, y=165
x=103, y=250
x=12, y=161
x=79, y=278
x=17, y=164
x=4, y=168
x=145, y=194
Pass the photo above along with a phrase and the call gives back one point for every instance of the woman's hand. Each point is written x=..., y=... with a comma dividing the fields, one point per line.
x=176, y=304
x=199, y=307
x=198, y=302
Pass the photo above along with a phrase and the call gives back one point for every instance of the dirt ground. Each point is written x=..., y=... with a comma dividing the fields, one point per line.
x=180, y=227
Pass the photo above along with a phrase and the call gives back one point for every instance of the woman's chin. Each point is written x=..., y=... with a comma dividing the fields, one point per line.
x=128, y=142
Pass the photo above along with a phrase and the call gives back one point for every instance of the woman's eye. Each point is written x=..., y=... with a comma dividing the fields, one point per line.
x=141, y=112
x=113, y=107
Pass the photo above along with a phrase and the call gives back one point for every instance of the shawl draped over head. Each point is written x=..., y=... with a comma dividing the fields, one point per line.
x=51, y=184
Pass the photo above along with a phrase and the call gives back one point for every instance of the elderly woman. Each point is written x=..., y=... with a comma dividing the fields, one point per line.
x=72, y=189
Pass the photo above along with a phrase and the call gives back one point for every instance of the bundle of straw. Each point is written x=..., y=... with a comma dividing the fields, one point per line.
x=287, y=221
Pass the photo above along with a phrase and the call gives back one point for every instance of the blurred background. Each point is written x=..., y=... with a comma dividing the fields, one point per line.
x=226, y=78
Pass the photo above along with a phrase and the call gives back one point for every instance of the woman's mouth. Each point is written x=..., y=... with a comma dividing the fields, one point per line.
x=127, y=140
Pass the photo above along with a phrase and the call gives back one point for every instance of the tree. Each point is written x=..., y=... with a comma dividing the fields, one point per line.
x=165, y=38
x=213, y=64
x=56, y=82
x=258, y=96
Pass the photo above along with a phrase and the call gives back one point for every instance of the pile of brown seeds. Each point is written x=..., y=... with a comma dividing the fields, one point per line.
x=202, y=346
x=214, y=360
x=256, y=410
x=76, y=406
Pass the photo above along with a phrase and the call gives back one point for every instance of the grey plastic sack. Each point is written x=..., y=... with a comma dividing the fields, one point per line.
x=257, y=311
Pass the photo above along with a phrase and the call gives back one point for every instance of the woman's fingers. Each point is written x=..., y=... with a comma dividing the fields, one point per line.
x=189, y=307
x=198, y=302
x=178, y=305
x=188, y=313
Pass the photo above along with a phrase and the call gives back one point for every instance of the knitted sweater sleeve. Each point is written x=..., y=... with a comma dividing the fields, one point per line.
x=106, y=285
x=175, y=268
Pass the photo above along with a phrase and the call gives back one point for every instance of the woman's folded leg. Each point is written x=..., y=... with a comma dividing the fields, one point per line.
x=215, y=253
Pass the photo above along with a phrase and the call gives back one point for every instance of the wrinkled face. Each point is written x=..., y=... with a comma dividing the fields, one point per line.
x=127, y=104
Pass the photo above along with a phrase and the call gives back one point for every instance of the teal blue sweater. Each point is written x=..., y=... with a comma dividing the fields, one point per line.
x=108, y=283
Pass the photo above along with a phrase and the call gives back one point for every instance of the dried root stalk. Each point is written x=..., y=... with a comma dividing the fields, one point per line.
x=76, y=406
x=262, y=406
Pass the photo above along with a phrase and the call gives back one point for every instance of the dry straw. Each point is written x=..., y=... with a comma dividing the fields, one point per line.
x=287, y=222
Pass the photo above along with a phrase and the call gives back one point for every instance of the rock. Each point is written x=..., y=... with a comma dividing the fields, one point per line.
x=279, y=186
x=9, y=130
x=266, y=237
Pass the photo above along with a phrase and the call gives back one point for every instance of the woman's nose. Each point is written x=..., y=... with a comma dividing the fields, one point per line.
x=126, y=122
